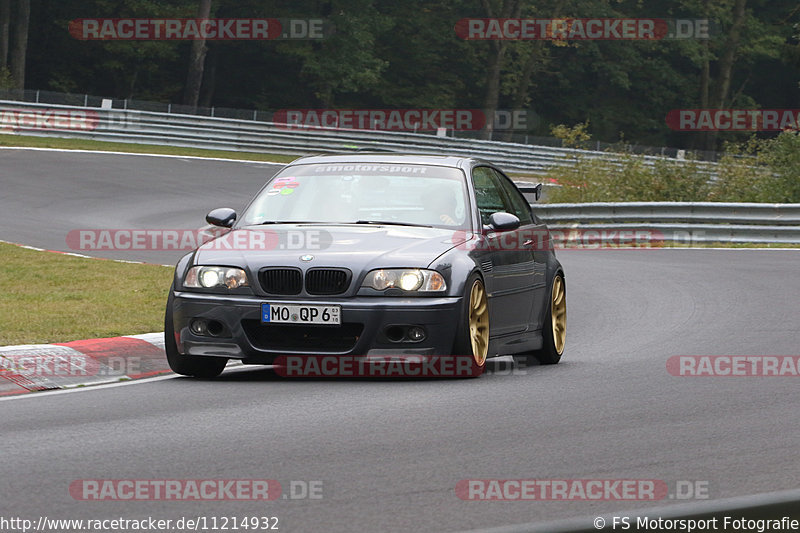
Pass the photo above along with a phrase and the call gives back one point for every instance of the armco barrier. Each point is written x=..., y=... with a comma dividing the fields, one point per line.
x=690, y=222
x=256, y=136
x=693, y=222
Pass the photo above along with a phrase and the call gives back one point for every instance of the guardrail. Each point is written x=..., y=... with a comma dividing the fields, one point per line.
x=680, y=222
x=667, y=221
x=257, y=136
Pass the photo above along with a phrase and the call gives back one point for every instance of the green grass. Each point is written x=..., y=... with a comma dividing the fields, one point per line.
x=47, y=297
x=85, y=144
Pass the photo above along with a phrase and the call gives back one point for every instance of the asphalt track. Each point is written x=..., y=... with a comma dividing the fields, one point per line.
x=46, y=194
x=390, y=453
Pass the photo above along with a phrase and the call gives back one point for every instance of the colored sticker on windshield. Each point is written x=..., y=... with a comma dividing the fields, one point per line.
x=283, y=186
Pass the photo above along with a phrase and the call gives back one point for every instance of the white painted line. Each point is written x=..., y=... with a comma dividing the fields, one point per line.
x=173, y=156
x=35, y=249
x=234, y=365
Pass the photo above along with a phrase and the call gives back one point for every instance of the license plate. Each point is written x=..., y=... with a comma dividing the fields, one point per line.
x=301, y=314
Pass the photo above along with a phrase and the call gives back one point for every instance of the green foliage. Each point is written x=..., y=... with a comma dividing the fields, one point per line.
x=574, y=137
x=760, y=170
x=407, y=55
x=345, y=62
x=6, y=81
x=628, y=178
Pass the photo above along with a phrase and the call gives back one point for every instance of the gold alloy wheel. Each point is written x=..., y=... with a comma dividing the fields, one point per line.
x=478, y=322
x=558, y=313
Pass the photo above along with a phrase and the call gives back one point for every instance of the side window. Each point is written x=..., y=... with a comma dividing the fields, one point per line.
x=488, y=193
x=520, y=206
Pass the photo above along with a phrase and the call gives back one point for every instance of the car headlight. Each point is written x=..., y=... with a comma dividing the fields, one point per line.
x=209, y=277
x=407, y=279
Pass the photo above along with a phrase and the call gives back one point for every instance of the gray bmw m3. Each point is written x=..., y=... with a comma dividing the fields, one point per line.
x=371, y=256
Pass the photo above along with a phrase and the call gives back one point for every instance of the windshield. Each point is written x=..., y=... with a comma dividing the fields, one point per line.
x=351, y=193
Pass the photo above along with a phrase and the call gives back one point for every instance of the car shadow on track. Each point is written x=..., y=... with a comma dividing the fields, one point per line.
x=505, y=366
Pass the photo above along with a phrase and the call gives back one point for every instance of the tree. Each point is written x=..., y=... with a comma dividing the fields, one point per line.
x=345, y=62
x=726, y=64
x=751, y=33
x=5, y=19
x=20, y=49
x=531, y=58
x=197, y=59
x=494, y=64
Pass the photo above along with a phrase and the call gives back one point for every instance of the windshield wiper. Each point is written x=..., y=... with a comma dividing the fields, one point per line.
x=390, y=223
x=374, y=222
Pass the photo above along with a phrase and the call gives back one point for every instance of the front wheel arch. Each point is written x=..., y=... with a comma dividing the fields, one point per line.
x=472, y=333
x=187, y=365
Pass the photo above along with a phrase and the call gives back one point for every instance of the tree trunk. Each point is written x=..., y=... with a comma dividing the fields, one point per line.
x=726, y=63
x=492, y=86
x=705, y=80
x=728, y=59
x=210, y=77
x=534, y=63
x=20, y=50
x=197, y=58
x=5, y=19
x=509, y=9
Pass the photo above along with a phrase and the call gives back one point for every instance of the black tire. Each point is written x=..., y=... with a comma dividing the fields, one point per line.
x=187, y=365
x=549, y=353
x=463, y=346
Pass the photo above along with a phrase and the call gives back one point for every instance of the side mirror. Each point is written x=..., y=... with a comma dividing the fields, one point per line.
x=501, y=221
x=535, y=190
x=223, y=217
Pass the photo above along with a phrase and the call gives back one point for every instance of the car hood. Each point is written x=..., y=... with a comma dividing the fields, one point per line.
x=354, y=247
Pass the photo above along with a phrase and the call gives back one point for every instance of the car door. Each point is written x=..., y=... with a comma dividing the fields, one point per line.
x=534, y=237
x=508, y=266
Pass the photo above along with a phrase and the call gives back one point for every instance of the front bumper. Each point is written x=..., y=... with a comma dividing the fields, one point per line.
x=363, y=332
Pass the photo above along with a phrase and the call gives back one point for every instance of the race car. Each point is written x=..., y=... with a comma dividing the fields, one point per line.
x=371, y=255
